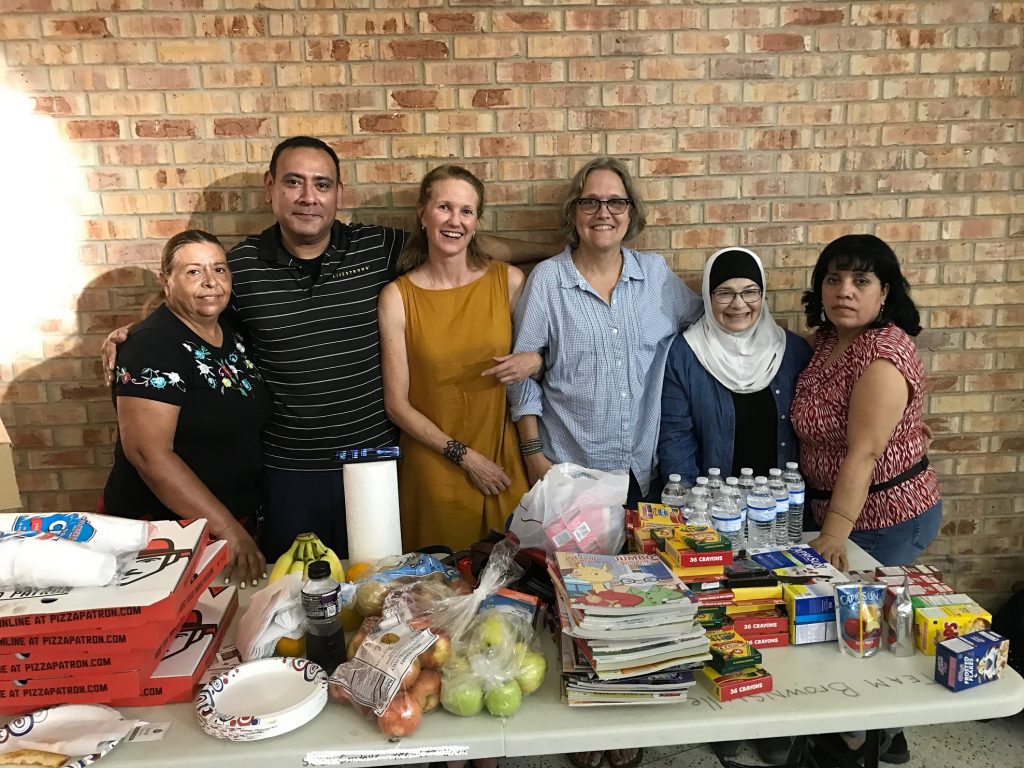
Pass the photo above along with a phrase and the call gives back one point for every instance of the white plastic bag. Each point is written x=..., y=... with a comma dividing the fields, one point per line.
x=573, y=508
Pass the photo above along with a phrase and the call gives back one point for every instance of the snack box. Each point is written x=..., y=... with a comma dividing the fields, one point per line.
x=730, y=652
x=735, y=685
x=154, y=588
x=944, y=622
x=808, y=599
x=763, y=623
x=111, y=636
x=191, y=652
x=915, y=572
x=658, y=515
x=680, y=553
x=813, y=632
x=512, y=602
x=971, y=660
x=774, y=640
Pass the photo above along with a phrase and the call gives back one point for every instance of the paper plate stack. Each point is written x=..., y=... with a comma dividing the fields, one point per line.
x=261, y=699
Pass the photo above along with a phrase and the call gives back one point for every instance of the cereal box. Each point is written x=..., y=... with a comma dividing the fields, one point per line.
x=943, y=622
x=971, y=660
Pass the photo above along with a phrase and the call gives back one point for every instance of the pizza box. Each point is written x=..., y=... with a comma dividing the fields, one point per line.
x=154, y=588
x=49, y=641
x=37, y=693
x=194, y=647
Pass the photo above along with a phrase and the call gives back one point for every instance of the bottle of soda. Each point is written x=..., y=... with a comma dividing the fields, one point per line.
x=795, y=485
x=325, y=638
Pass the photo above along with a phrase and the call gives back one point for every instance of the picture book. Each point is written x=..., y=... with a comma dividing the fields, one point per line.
x=621, y=584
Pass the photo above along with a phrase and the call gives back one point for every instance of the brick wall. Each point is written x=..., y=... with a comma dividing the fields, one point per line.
x=776, y=125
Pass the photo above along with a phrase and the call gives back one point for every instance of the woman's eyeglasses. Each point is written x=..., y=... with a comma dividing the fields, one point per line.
x=591, y=205
x=725, y=296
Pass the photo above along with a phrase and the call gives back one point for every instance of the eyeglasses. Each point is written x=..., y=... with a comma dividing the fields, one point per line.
x=725, y=296
x=591, y=205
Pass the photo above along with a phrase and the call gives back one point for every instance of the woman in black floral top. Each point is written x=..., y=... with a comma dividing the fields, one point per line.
x=190, y=407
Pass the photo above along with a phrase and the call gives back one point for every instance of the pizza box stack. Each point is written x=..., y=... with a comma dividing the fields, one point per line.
x=628, y=629
x=145, y=640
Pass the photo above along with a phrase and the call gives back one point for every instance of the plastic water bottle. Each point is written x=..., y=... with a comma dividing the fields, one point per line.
x=725, y=516
x=700, y=482
x=761, y=515
x=732, y=488
x=781, y=493
x=674, y=493
x=325, y=638
x=699, y=514
x=795, y=485
x=714, y=481
x=746, y=485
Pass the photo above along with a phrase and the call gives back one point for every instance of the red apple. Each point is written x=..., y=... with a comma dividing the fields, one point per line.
x=401, y=718
x=436, y=655
x=410, y=675
x=427, y=690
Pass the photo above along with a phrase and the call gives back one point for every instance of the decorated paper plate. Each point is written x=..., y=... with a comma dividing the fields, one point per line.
x=262, y=698
x=59, y=725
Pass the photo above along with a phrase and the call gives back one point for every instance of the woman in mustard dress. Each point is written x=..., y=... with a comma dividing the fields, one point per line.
x=446, y=334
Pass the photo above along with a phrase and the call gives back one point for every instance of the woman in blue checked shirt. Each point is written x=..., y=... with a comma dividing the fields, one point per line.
x=602, y=316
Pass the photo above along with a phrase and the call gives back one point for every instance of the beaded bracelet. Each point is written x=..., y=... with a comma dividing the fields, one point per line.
x=454, y=451
x=530, y=447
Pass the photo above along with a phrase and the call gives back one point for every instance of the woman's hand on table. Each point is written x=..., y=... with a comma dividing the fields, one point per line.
x=832, y=549
x=537, y=465
x=511, y=369
x=246, y=563
x=485, y=474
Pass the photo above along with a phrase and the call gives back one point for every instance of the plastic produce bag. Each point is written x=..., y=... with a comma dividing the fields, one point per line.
x=573, y=509
x=394, y=660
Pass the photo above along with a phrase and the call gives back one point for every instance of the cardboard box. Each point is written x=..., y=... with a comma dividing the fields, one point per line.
x=110, y=634
x=194, y=646
x=971, y=660
x=730, y=652
x=814, y=632
x=808, y=599
x=735, y=685
x=40, y=692
x=153, y=589
x=776, y=640
x=681, y=554
x=943, y=622
x=767, y=623
x=9, y=497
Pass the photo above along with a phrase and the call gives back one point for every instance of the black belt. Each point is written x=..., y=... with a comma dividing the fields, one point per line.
x=892, y=482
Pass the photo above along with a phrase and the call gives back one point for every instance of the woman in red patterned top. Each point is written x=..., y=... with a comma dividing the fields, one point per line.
x=857, y=408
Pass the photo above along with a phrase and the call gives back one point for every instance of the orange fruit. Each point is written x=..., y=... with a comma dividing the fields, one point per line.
x=356, y=571
x=291, y=646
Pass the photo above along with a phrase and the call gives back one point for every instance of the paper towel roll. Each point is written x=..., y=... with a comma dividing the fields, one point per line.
x=371, y=510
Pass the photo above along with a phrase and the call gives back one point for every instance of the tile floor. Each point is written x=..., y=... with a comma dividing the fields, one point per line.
x=995, y=744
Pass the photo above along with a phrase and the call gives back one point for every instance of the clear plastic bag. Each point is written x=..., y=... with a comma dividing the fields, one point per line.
x=392, y=672
x=575, y=509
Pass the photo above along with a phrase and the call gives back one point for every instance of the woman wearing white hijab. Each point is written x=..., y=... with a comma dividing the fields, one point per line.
x=729, y=378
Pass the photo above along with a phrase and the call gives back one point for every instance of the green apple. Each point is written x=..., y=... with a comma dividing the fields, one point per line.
x=531, y=672
x=456, y=664
x=504, y=700
x=494, y=631
x=462, y=695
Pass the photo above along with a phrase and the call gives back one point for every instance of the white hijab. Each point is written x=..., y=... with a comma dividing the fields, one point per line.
x=742, y=362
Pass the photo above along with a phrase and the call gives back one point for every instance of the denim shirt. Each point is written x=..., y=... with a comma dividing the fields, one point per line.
x=698, y=421
x=604, y=362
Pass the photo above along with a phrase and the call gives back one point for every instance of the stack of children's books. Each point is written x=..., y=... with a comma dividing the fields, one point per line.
x=628, y=629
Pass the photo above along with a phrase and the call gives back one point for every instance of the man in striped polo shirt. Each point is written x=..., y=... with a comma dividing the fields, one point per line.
x=305, y=291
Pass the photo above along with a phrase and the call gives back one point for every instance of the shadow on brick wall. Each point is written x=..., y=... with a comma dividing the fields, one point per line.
x=59, y=412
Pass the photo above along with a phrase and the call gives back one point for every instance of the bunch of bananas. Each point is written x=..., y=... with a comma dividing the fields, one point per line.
x=306, y=549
